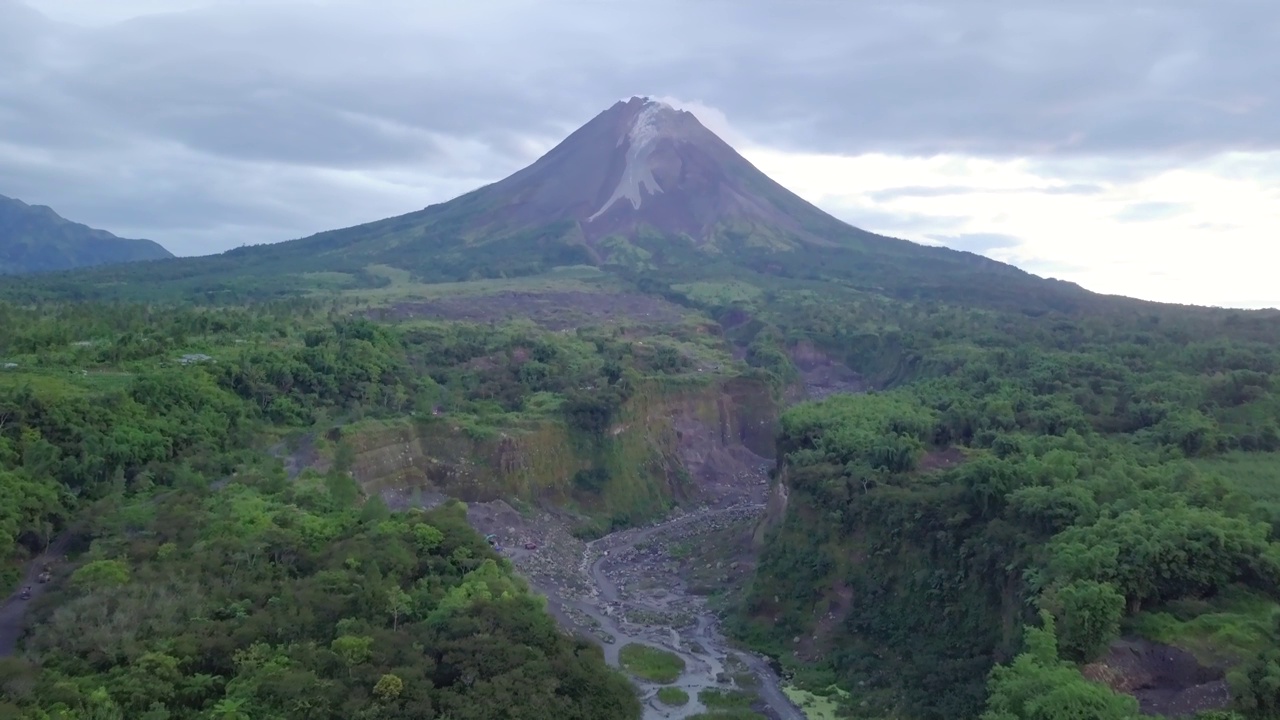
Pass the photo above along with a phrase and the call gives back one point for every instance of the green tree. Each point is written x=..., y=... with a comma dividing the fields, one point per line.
x=426, y=537
x=1038, y=685
x=1087, y=615
x=1255, y=683
x=101, y=574
x=354, y=650
x=389, y=687
x=399, y=602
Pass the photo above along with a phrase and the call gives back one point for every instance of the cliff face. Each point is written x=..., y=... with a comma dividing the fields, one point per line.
x=878, y=586
x=775, y=511
x=669, y=444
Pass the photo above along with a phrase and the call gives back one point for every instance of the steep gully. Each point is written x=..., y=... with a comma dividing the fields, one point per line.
x=622, y=588
x=634, y=585
x=717, y=654
x=627, y=587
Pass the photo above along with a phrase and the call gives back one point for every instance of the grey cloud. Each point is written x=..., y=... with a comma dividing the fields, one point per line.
x=1047, y=268
x=905, y=225
x=980, y=243
x=1114, y=169
x=21, y=29
x=1074, y=189
x=1045, y=79
x=1143, y=212
x=916, y=191
x=218, y=204
x=1216, y=227
x=357, y=95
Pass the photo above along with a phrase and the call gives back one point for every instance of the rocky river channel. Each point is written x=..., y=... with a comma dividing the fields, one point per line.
x=634, y=585
x=628, y=587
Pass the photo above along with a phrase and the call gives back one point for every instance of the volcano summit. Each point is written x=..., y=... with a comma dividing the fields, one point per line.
x=642, y=164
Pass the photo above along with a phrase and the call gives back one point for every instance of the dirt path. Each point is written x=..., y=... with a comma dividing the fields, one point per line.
x=14, y=609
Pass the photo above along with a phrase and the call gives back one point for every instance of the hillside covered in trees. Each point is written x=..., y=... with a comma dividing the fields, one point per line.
x=204, y=582
x=1086, y=478
x=1017, y=493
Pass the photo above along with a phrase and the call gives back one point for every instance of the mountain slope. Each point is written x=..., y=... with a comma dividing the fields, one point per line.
x=643, y=191
x=34, y=238
x=644, y=163
x=638, y=166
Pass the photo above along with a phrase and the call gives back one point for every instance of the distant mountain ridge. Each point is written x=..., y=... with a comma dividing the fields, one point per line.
x=34, y=239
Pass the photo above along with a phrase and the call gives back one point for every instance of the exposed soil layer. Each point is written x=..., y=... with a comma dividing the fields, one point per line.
x=719, y=472
x=555, y=310
x=941, y=459
x=818, y=644
x=296, y=459
x=827, y=380
x=821, y=375
x=1167, y=681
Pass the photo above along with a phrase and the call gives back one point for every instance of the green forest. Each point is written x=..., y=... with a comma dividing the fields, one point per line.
x=1021, y=489
x=206, y=584
x=1022, y=492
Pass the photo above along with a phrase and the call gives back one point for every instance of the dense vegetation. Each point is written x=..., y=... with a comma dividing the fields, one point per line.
x=1023, y=465
x=1041, y=472
x=98, y=399
x=209, y=585
x=270, y=599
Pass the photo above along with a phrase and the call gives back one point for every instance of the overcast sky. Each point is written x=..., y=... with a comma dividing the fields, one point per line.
x=1131, y=147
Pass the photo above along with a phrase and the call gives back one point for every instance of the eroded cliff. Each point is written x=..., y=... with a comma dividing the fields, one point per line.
x=669, y=444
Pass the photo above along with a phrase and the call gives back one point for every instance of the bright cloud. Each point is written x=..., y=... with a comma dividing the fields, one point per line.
x=1200, y=234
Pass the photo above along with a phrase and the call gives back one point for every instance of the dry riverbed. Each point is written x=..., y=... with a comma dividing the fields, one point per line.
x=634, y=586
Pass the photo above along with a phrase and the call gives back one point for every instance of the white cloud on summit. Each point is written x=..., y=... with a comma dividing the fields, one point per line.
x=712, y=118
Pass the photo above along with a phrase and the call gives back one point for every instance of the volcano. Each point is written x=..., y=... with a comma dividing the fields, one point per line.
x=642, y=191
x=642, y=164
x=640, y=181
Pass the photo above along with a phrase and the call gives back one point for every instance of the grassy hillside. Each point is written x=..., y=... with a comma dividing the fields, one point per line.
x=1114, y=472
x=356, y=259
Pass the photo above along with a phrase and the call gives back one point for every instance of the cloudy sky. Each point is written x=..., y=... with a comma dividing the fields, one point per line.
x=1131, y=147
